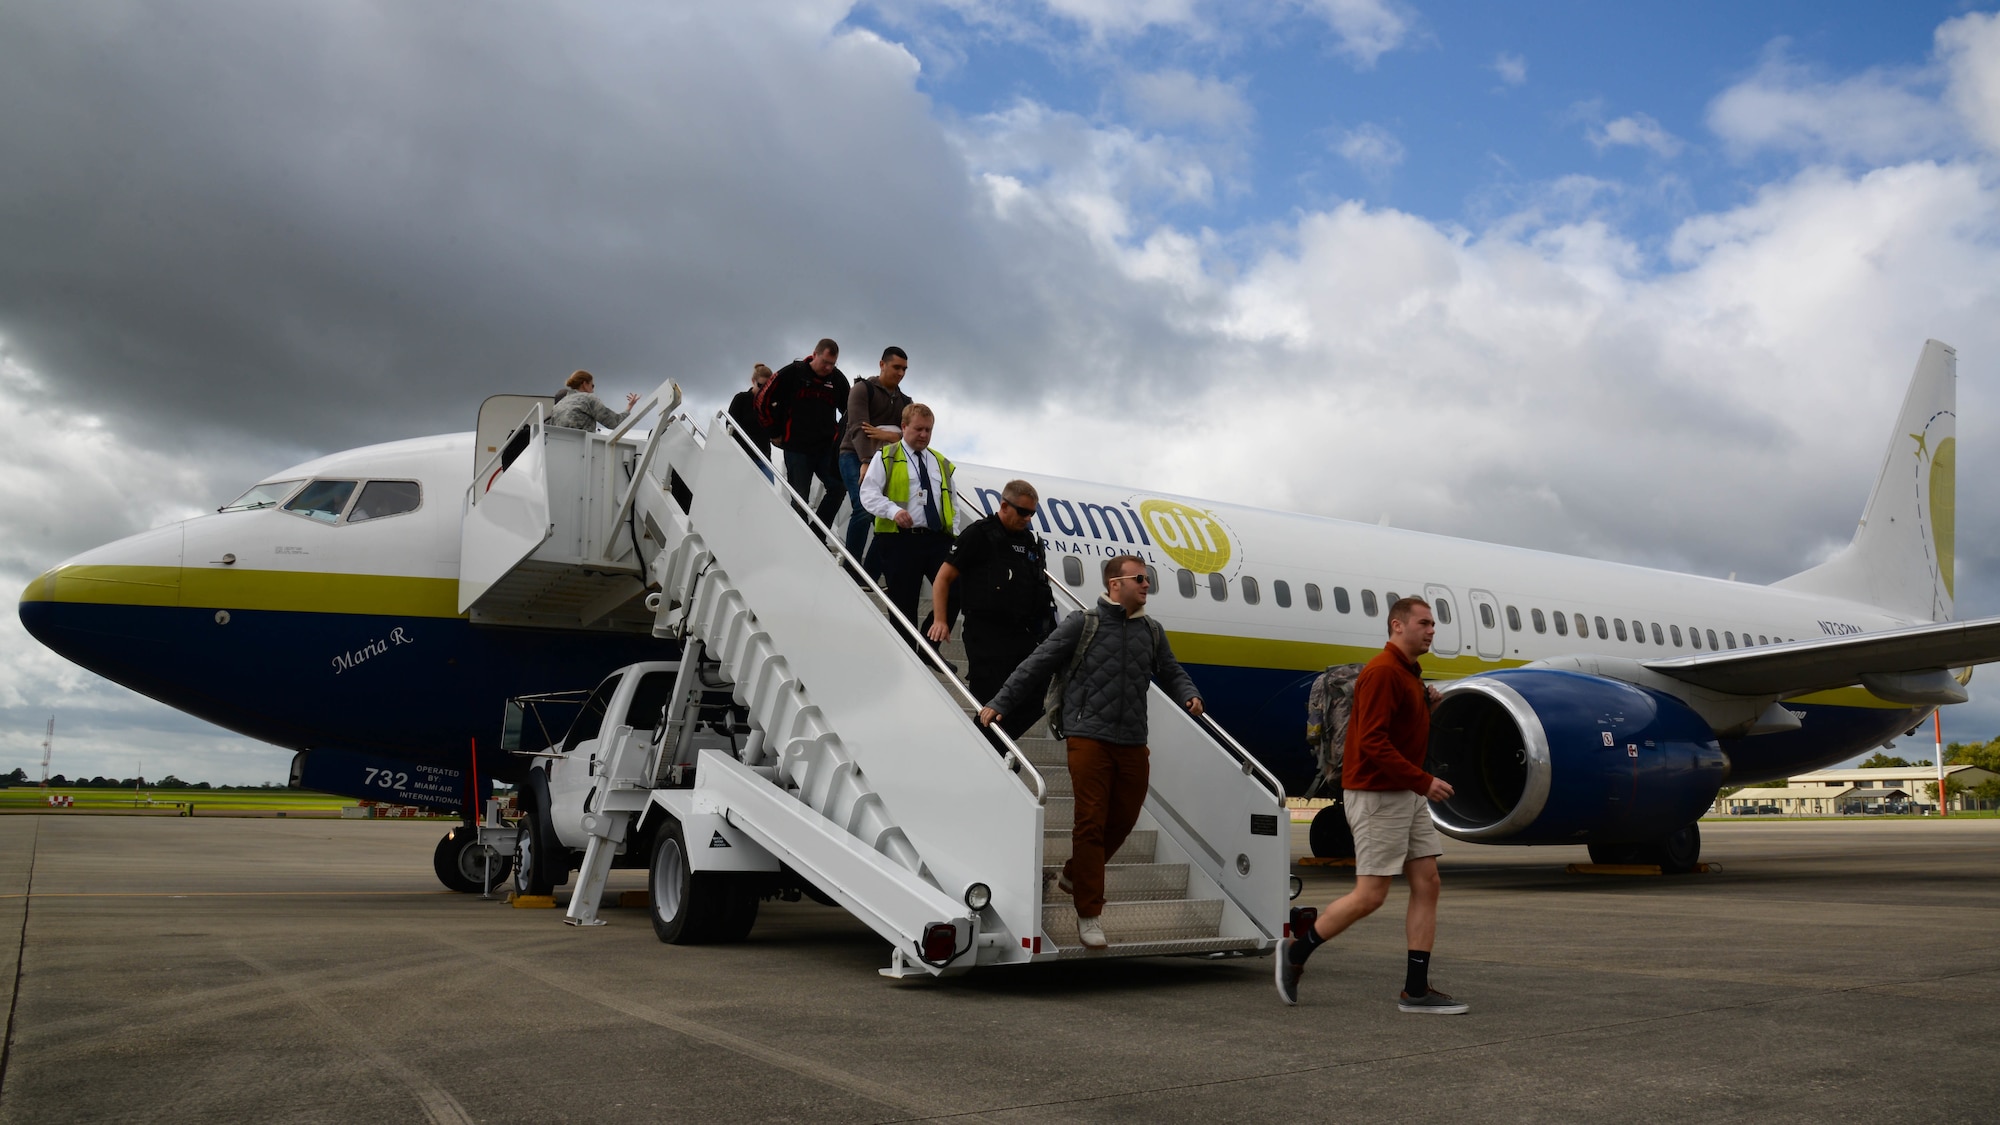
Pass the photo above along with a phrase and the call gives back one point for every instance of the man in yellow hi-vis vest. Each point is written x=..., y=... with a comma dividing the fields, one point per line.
x=908, y=490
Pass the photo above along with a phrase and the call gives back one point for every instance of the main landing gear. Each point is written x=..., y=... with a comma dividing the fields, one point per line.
x=1676, y=853
x=1331, y=838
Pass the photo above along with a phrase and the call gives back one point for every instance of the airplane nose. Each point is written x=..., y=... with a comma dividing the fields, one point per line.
x=94, y=609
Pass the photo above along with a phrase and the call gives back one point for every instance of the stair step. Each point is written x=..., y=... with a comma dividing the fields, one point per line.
x=1139, y=847
x=1182, y=948
x=1127, y=923
x=1131, y=882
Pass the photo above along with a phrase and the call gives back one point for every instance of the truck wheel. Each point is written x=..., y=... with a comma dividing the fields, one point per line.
x=541, y=865
x=1331, y=837
x=462, y=862
x=685, y=904
x=740, y=898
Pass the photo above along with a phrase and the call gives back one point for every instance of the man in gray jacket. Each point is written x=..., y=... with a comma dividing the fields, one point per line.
x=1105, y=659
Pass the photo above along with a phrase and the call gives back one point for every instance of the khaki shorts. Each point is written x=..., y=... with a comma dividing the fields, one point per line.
x=1391, y=827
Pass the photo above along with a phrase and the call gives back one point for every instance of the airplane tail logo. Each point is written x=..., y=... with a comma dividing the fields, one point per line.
x=1902, y=555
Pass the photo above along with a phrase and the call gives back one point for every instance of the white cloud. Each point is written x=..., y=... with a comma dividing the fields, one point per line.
x=1873, y=117
x=1368, y=29
x=1637, y=130
x=1107, y=17
x=1370, y=148
x=1970, y=49
x=1175, y=97
x=1512, y=69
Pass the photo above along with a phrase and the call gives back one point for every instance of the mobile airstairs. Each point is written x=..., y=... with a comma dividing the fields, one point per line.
x=864, y=772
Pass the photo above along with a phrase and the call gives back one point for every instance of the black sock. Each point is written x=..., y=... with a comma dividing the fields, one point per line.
x=1417, y=978
x=1305, y=938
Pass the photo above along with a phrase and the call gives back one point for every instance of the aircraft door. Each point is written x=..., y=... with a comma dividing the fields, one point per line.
x=1487, y=638
x=1444, y=607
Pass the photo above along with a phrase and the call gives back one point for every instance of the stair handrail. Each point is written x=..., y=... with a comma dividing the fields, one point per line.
x=1251, y=766
x=1011, y=754
x=534, y=417
x=666, y=396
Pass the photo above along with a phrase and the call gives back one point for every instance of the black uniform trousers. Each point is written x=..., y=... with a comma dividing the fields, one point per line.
x=906, y=559
x=994, y=647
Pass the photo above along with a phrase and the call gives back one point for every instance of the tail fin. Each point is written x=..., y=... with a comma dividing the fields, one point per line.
x=1901, y=556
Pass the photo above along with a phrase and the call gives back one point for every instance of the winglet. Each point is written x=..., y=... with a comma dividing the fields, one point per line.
x=1901, y=555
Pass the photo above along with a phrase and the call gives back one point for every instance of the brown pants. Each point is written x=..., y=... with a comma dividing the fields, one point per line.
x=1109, y=781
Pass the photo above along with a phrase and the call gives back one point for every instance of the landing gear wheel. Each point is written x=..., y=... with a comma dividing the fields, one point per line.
x=696, y=907
x=1331, y=838
x=1676, y=853
x=463, y=864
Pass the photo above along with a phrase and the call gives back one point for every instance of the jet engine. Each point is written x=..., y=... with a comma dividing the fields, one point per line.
x=1544, y=756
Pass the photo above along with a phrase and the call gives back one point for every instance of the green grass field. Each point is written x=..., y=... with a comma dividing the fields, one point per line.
x=205, y=800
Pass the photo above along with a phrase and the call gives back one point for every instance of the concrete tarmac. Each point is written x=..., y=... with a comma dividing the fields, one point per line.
x=303, y=971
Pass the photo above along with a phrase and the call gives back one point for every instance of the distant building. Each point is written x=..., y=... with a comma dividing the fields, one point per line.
x=1837, y=792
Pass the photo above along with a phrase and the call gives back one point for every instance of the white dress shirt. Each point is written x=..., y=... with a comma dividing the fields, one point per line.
x=877, y=478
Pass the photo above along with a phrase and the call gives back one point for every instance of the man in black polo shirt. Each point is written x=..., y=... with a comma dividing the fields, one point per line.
x=996, y=575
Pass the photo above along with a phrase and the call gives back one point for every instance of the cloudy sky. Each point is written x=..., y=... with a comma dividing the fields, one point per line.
x=1642, y=282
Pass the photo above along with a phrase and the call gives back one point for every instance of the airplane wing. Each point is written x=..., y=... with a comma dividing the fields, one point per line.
x=1901, y=665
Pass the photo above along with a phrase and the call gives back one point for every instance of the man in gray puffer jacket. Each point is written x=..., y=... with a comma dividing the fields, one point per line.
x=1103, y=716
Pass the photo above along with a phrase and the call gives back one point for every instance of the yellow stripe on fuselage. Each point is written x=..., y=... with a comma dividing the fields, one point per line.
x=386, y=595
x=1311, y=656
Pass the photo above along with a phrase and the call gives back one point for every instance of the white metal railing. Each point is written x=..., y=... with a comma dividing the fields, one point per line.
x=837, y=549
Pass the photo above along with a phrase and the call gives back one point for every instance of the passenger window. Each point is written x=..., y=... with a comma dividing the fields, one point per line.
x=1281, y=592
x=1694, y=636
x=1443, y=610
x=1729, y=637
x=1152, y=579
x=1562, y=623
x=1761, y=640
x=1313, y=601
x=1368, y=603
x=1514, y=619
x=1072, y=570
x=1639, y=631
x=1711, y=641
x=648, y=700
x=1486, y=616
x=1605, y=634
x=1677, y=634
x=1540, y=625
x=1390, y=598
x=323, y=500
x=1615, y=621
x=1184, y=578
x=1218, y=587
x=1582, y=626
x=1250, y=595
x=590, y=719
x=1340, y=602
x=381, y=498
x=1660, y=640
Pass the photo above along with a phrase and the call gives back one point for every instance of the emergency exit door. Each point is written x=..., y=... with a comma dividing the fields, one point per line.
x=1444, y=607
x=1487, y=638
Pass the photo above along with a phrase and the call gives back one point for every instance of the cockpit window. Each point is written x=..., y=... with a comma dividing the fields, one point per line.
x=386, y=498
x=266, y=495
x=323, y=500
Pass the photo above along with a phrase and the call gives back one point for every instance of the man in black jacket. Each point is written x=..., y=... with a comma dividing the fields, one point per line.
x=997, y=574
x=1113, y=653
x=803, y=407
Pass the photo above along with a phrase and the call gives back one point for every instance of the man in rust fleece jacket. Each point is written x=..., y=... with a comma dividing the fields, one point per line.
x=1387, y=795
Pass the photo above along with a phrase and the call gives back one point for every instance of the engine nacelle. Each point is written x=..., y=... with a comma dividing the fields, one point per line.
x=1541, y=756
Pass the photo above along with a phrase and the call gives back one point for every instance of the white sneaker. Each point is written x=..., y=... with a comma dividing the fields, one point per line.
x=1091, y=932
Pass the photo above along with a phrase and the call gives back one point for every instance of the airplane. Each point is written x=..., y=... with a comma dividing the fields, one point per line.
x=1583, y=701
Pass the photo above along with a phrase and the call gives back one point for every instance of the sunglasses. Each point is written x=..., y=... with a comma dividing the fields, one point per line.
x=1028, y=512
x=1134, y=578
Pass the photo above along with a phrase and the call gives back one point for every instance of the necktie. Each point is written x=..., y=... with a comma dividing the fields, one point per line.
x=931, y=519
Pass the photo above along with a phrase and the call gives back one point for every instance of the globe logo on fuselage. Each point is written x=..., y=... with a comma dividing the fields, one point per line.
x=1189, y=536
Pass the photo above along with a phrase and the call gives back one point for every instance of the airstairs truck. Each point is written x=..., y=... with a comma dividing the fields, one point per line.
x=806, y=741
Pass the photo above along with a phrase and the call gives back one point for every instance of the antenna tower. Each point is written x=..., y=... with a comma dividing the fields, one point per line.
x=47, y=739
